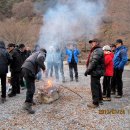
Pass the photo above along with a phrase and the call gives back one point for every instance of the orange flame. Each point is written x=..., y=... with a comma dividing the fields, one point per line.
x=49, y=83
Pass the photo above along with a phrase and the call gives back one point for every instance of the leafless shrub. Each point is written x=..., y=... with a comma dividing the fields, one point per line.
x=19, y=31
x=23, y=9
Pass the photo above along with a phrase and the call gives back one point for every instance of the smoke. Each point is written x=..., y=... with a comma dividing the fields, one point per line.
x=70, y=20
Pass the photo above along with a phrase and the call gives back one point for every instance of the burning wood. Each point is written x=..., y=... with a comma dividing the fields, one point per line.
x=48, y=92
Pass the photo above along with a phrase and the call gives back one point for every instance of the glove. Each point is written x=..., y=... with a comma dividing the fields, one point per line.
x=86, y=73
x=44, y=68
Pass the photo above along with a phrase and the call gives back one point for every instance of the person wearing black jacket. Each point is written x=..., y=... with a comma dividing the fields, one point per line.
x=95, y=68
x=15, y=68
x=30, y=68
x=24, y=56
x=4, y=62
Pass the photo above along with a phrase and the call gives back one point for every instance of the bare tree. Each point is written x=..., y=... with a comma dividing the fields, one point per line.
x=19, y=31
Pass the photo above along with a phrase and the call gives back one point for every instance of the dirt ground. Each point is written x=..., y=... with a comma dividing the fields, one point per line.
x=70, y=112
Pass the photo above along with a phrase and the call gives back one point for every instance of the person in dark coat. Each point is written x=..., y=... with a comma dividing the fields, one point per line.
x=5, y=59
x=30, y=68
x=15, y=68
x=95, y=68
x=24, y=56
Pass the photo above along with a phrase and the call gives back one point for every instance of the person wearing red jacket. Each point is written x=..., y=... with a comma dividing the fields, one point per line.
x=108, y=59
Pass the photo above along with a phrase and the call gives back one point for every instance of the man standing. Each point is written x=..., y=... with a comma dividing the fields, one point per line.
x=95, y=68
x=120, y=60
x=30, y=68
x=4, y=61
x=72, y=54
x=15, y=68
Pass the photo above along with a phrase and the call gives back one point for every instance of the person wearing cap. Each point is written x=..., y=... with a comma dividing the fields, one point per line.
x=95, y=68
x=109, y=68
x=120, y=60
x=5, y=60
x=15, y=68
x=30, y=68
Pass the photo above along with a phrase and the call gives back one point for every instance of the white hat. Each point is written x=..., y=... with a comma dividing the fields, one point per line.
x=106, y=48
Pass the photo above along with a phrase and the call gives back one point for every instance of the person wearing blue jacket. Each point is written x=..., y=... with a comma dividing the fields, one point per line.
x=72, y=54
x=120, y=60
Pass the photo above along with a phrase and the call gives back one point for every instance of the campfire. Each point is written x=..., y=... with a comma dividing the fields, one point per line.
x=49, y=92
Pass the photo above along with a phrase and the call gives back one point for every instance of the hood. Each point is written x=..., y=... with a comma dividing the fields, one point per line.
x=2, y=45
x=110, y=54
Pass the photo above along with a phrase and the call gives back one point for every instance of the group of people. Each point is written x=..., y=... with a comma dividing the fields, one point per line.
x=55, y=58
x=13, y=56
x=108, y=61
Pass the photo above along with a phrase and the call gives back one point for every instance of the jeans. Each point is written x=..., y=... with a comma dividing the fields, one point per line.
x=107, y=86
x=96, y=90
x=15, y=82
x=30, y=84
x=3, y=85
x=71, y=67
x=117, y=82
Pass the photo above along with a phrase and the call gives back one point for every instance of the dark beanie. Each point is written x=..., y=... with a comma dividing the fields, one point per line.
x=119, y=41
x=21, y=46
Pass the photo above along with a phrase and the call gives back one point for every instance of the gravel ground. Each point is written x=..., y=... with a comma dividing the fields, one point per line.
x=70, y=112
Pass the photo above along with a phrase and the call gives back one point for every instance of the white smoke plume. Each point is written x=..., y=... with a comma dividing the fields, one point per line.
x=70, y=20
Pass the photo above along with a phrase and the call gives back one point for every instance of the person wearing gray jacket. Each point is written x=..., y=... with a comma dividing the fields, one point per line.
x=30, y=68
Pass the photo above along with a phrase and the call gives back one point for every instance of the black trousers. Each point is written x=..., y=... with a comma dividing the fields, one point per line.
x=30, y=84
x=15, y=82
x=96, y=89
x=107, y=86
x=71, y=67
x=113, y=82
x=117, y=82
x=3, y=85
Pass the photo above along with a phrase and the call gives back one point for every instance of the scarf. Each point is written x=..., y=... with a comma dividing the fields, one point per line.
x=87, y=63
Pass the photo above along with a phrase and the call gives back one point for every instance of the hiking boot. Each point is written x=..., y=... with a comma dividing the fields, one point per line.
x=76, y=80
x=33, y=103
x=11, y=94
x=63, y=80
x=92, y=105
x=101, y=102
x=28, y=107
x=107, y=99
x=71, y=79
x=104, y=96
x=3, y=100
x=113, y=93
x=118, y=96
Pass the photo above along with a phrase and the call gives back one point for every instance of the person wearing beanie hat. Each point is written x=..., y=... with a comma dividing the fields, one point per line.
x=108, y=60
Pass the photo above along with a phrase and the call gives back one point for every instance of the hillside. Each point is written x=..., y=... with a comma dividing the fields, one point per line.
x=116, y=23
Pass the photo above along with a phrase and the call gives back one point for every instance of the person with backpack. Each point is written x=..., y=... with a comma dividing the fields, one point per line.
x=109, y=68
x=5, y=59
x=30, y=68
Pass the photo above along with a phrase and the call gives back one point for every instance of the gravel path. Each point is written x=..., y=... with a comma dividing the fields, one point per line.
x=70, y=112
